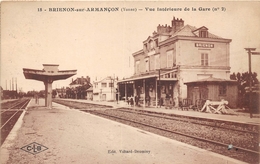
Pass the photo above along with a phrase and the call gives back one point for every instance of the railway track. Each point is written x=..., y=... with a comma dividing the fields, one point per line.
x=240, y=153
x=80, y=105
x=13, y=105
x=240, y=142
x=252, y=129
x=10, y=112
x=209, y=134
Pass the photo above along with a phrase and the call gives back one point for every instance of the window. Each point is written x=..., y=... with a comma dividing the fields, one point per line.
x=169, y=58
x=222, y=89
x=203, y=34
x=137, y=65
x=111, y=84
x=145, y=46
x=204, y=59
x=146, y=65
x=156, y=43
x=156, y=62
x=103, y=85
x=151, y=44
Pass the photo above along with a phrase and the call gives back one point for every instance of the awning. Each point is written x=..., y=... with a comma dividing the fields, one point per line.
x=41, y=75
x=153, y=74
x=168, y=79
x=211, y=80
x=147, y=77
x=138, y=78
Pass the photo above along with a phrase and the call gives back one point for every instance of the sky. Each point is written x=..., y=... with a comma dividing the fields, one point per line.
x=100, y=44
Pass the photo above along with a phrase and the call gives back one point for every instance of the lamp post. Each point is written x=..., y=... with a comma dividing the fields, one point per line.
x=111, y=88
x=100, y=99
x=160, y=87
x=249, y=51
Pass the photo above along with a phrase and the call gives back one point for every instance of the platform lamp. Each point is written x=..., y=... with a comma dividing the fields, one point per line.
x=249, y=51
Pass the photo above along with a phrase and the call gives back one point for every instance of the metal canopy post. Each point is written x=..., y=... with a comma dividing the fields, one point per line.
x=156, y=94
x=160, y=87
x=118, y=92
x=134, y=91
x=144, y=93
x=249, y=51
x=125, y=91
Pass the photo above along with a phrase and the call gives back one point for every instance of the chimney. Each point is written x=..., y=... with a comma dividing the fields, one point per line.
x=177, y=24
x=88, y=79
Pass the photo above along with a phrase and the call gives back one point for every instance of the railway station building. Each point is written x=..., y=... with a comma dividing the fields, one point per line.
x=172, y=56
x=79, y=87
x=105, y=89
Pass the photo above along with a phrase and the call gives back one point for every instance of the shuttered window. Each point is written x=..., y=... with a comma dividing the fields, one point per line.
x=137, y=65
x=147, y=65
x=157, y=62
x=204, y=59
x=222, y=89
x=103, y=85
x=169, y=59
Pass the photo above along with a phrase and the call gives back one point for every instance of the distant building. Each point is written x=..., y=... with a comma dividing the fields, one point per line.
x=105, y=89
x=61, y=92
x=174, y=55
x=78, y=88
x=1, y=92
x=10, y=94
x=80, y=81
x=90, y=93
x=213, y=89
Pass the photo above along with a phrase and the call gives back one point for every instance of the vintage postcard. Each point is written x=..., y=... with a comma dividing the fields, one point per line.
x=130, y=82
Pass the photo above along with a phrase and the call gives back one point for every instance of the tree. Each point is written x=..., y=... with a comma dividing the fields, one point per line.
x=243, y=84
x=54, y=93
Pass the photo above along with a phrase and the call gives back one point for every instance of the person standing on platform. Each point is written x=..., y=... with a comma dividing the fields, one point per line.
x=127, y=100
x=171, y=101
x=131, y=101
x=36, y=99
x=147, y=100
x=136, y=100
x=167, y=101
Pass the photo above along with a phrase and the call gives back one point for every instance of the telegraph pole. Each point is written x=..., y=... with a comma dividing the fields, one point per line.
x=160, y=87
x=249, y=51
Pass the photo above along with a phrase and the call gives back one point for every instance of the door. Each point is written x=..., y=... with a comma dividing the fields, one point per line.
x=104, y=97
x=204, y=93
x=195, y=95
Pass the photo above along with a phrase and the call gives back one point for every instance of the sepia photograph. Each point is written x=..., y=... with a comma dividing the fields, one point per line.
x=149, y=82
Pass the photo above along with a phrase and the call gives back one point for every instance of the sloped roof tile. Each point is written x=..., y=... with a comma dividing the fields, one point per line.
x=212, y=79
x=188, y=30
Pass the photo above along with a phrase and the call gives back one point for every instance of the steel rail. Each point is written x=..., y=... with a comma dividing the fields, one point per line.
x=179, y=133
x=13, y=105
x=170, y=118
x=71, y=103
x=25, y=102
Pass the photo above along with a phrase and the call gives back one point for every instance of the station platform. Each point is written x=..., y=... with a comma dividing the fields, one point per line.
x=64, y=135
x=235, y=117
x=6, y=100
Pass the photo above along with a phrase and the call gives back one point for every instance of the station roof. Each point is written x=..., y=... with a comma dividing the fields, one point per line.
x=152, y=74
x=189, y=30
x=138, y=78
x=211, y=80
x=42, y=75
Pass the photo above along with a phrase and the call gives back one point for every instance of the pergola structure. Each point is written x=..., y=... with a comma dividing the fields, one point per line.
x=49, y=74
